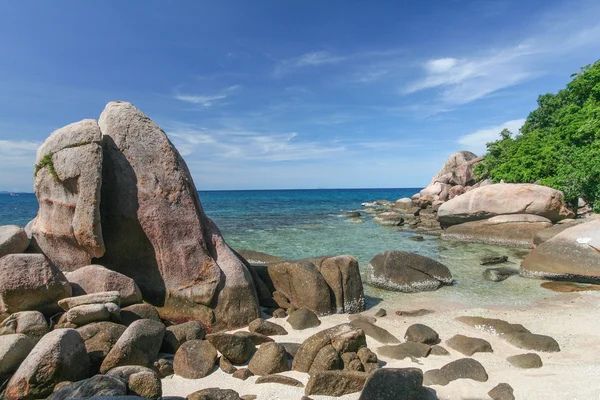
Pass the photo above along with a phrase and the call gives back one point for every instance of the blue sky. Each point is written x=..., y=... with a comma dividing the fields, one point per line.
x=289, y=94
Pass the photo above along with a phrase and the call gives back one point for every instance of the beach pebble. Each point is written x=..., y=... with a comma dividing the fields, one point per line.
x=303, y=319
x=335, y=383
x=271, y=358
x=499, y=274
x=421, y=334
x=502, y=391
x=266, y=328
x=243, y=374
x=528, y=360
x=226, y=366
x=381, y=313
x=195, y=359
x=469, y=345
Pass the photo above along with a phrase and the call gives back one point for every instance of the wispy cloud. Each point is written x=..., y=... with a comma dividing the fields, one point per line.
x=311, y=59
x=207, y=100
x=466, y=78
x=476, y=141
x=244, y=145
x=18, y=152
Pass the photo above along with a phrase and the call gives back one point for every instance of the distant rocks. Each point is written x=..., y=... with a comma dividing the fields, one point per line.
x=406, y=272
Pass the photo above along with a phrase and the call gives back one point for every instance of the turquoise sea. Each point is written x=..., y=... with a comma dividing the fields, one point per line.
x=304, y=223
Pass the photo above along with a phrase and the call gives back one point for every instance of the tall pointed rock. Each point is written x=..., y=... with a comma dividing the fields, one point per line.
x=156, y=231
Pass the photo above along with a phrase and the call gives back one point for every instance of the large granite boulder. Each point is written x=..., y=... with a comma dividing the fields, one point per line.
x=13, y=240
x=68, y=177
x=96, y=279
x=30, y=282
x=156, y=231
x=30, y=323
x=458, y=169
x=571, y=255
x=514, y=230
x=13, y=350
x=99, y=339
x=324, y=285
x=504, y=198
x=406, y=272
x=396, y=384
x=59, y=356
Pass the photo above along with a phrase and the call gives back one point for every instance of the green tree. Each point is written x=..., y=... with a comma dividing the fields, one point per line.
x=559, y=144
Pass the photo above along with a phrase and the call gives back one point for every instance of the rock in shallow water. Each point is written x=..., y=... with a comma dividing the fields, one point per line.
x=406, y=272
x=499, y=274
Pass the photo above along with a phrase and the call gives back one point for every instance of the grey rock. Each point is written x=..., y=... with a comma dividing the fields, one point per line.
x=499, y=274
x=303, y=319
x=464, y=368
x=311, y=347
x=195, y=359
x=30, y=323
x=138, y=345
x=406, y=272
x=405, y=350
x=226, y=366
x=271, y=358
x=254, y=337
x=327, y=359
x=214, y=394
x=469, y=345
x=85, y=314
x=335, y=383
x=421, y=334
x=502, y=391
x=279, y=379
x=243, y=374
x=135, y=312
x=396, y=384
x=13, y=240
x=380, y=313
x=96, y=279
x=13, y=350
x=94, y=298
x=176, y=335
x=530, y=341
x=99, y=338
x=266, y=328
x=237, y=349
x=528, y=360
x=490, y=260
x=374, y=331
x=59, y=356
x=437, y=350
x=98, y=385
x=141, y=381
x=30, y=282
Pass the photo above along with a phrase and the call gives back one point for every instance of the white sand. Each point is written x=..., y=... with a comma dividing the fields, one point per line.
x=573, y=319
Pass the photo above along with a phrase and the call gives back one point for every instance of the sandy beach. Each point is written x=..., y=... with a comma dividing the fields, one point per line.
x=570, y=318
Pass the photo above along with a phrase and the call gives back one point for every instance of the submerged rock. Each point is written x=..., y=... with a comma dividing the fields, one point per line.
x=406, y=272
x=499, y=274
x=491, y=260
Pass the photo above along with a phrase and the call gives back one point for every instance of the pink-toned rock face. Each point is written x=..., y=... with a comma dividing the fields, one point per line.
x=67, y=183
x=572, y=255
x=458, y=169
x=30, y=282
x=156, y=231
x=504, y=198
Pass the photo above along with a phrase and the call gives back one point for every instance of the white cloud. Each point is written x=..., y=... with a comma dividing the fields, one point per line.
x=440, y=65
x=17, y=158
x=311, y=59
x=244, y=145
x=207, y=100
x=477, y=140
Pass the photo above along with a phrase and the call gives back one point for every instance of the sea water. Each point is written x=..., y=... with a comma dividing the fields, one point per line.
x=305, y=223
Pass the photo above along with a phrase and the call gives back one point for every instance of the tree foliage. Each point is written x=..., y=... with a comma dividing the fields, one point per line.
x=559, y=144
